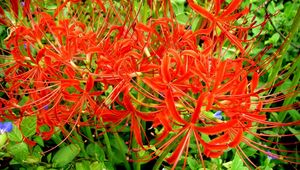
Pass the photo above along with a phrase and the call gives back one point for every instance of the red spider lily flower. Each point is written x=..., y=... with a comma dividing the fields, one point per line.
x=223, y=20
x=15, y=7
x=227, y=89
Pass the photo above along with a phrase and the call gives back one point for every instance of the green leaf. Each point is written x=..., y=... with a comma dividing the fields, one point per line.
x=295, y=132
x=84, y=165
x=23, y=100
x=2, y=29
x=15, y=135
x=37, y=150
x=3, y=139
x=205, y=137
x=279, y=6
x=273, y=40
x=193, y=164
x=237, y=163
x=249, y=151
x=44, y=128
x=294, y=114
x=28, y=126
x=19, y=151
x=39, y=140
x=97, y=165
x=182, y=18
x=2, y=154
x=49, y=157
x=40, y=168
x=271, y=7
x=195, y=23
x=65, y=155
x=288, y=10
x=227, y=165
x=286, y=85
x=269, y=132
x=96, y=151
x=109, y=166
x=178, y=1
x=32, y=160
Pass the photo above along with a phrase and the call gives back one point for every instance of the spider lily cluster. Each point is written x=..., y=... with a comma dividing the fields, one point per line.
x=85, y=64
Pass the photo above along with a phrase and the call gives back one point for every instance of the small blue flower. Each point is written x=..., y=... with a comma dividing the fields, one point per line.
x=5, y=127
x=218, y=115
x=46, y=107
x=271, y=155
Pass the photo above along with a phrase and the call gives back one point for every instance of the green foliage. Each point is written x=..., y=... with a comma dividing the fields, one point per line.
x=28, y=126
x=15, y=135
x=3, y=139
x=95, y=151
x=111, y=150
x=65, y=155
x=19, y=151
x=237, y=163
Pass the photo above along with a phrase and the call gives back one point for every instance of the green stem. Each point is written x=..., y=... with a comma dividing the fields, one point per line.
x=295, y=25
x=123, y=150
x=87, y=129
x=108, y=146
x=294, y=68
x=163, y=155
x=135, y=157
x=295, y=81
x=78, y=140
x=290, y=70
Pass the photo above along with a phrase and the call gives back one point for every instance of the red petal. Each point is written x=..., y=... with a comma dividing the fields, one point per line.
x=40, y=54
x=231, y=7
x=144, y=28
x=26, y=8
x=237, y=139
x=201, y=10
x=65, y=83
x=254, y=82
x=89, y=84
x=217, y=6
x=100, y=3
x=242, y=87
x=15, y=7
x=233, y=39
x=171, y=107
x=174, y=158
x=165, y=69
x=210, y=154
x=197, y=110
x=135, y=127
x=220, y=74
x=60, y=8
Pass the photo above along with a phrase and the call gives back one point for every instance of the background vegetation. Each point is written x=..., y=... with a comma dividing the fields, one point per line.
x=84, y=150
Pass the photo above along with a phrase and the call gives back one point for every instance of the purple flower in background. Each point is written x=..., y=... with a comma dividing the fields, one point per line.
x=271, y=155
x=218, y=115
x=5, y=127
x=22, y=4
